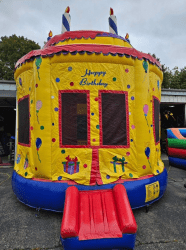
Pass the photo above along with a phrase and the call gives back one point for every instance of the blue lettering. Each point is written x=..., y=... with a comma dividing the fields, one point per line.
x=89, y=72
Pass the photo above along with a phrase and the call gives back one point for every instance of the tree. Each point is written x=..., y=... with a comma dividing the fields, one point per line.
x=167, y=77
x=11, y=50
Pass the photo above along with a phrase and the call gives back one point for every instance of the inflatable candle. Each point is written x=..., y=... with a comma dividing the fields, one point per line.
x=113, y=23
x=66, y=21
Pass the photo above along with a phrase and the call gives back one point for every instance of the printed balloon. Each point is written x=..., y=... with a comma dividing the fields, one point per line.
x=39, y=105
x=145, y=66
x=145, y=109
x=38, y=143
x=147, y=152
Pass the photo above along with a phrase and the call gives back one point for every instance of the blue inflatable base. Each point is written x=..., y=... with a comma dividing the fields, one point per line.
x=177, y=162
x=51, y=195
x=126, y=242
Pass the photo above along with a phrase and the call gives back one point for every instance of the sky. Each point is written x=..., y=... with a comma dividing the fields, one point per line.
x=154, y=26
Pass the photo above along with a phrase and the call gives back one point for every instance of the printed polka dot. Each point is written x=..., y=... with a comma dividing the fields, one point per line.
x=31, y=128
x=132, y=98
x=56, y=109
x=158, y=171
x=144, y=167
x=128, y=153
x=94, y=140
x=53, y=139
x=26, y=174
x=131, y=175
x=85, y=165
x=92, y=114
x=63, y=151
x=126, y=70
x=35, y=169
x=108, y=177
x=133, y=126
x=31, y=101
x=129, y=113
x=151, y=125
x=42, y=127
x=153, y=89
x=131, y=140
x=97, y=126
x=29, y=89
x=114, y=79
x=128, y=86
x=96, y=99
x=59, y=178
x=71, y=84
x=20, y=81
x=69, y=68
x=52, y=97
x=57, y=79
x=36, y=85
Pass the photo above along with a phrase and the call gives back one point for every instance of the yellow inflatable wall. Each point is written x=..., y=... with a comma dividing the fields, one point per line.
x=46, y=88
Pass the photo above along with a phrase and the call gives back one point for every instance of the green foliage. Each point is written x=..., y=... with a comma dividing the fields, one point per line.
x=173, y=79
x=11, y=50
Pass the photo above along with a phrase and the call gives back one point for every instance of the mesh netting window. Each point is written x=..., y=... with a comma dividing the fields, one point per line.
x=74, y=119
x=23, y=121
x=156, y=119
x=114, y=119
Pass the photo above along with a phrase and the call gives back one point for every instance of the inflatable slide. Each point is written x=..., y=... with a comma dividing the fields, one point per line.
x=176, y=147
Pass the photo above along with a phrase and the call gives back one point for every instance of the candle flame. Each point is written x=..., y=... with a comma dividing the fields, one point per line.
x=127, y=36
x=111, y=12
x=67, y=10
x=50, y=34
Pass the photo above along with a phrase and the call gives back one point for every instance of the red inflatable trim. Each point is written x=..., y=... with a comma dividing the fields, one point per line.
x=93, y=48
x=70, y=224
x=95, y=177
x=74, y=35
x=126, y=217
x=177, y=152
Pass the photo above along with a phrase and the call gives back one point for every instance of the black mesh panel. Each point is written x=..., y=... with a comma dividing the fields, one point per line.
x=23, y=121
x=114, y=123
x=156, y=119
x=74, y=118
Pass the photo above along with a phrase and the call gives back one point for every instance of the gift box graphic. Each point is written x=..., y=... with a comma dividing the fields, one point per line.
x=118, y=161
x=71, y=166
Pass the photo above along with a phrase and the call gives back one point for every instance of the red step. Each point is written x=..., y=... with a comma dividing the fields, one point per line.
x=97, y=214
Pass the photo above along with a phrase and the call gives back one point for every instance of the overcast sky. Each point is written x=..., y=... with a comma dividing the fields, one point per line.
x=154, y=26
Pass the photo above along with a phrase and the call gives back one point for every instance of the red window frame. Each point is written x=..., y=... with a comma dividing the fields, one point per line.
x=153, y=116
x=21, y=99
x=87, y=92
x=127, y=119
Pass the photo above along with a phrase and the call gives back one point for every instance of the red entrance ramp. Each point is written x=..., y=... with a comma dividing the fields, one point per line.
x=98, y=219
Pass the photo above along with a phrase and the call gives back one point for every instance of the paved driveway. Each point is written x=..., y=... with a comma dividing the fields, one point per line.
x=163, y=227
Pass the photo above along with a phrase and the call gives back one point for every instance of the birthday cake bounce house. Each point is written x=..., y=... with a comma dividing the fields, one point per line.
x=88, y=134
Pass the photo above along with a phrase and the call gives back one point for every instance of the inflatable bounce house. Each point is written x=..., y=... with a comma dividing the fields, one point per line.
x=176, y=147
x=88, y=139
